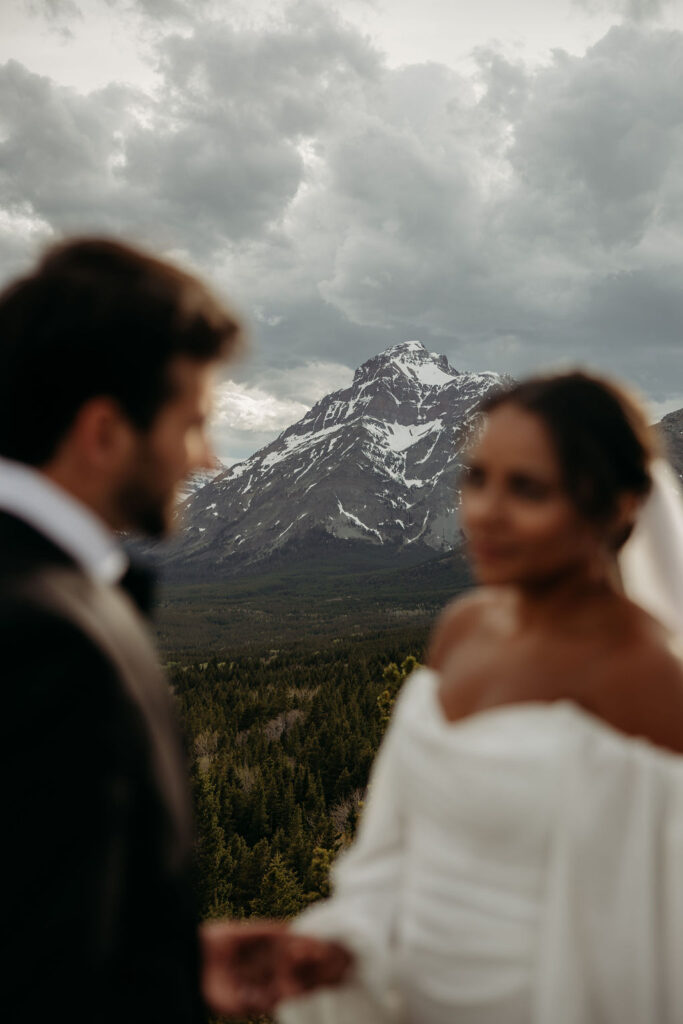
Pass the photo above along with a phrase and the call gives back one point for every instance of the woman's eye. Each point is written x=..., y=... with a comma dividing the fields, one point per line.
x=534, y=490
x=472, y=476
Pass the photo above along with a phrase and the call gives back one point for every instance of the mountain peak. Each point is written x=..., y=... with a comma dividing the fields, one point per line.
x=373, y=467
x=406, y=346
x=407, y=359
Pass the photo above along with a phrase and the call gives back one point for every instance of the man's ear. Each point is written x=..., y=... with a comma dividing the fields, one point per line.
x=102, y=433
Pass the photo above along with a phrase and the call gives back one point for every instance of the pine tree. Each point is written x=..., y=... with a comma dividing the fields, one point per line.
x=394, y=677
x=319, y=873
x=213, y=863
x=281, y=894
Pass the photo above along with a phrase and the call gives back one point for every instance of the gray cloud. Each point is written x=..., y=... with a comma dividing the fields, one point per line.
x=634, y=10
x=59, y=155
x=54, y=10
x=552, y=186
x=162, y=10
x=511, y=220
x=58, y=15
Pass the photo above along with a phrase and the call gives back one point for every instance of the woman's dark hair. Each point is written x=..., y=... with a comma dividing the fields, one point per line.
x=97, y=317
x=600, y=433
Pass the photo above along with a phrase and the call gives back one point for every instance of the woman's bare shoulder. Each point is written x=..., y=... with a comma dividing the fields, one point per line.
x=457, y=619
x=647, y=643
x=651, y=653
x=643, y=694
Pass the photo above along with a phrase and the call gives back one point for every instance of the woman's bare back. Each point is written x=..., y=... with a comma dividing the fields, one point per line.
x=606, y=654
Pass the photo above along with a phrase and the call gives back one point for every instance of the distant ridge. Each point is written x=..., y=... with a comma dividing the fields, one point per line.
x=671, y=430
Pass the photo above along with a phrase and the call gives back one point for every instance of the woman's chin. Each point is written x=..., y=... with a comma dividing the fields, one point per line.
x=489, y=574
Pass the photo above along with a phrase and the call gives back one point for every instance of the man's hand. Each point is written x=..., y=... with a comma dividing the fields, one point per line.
x=248, y=967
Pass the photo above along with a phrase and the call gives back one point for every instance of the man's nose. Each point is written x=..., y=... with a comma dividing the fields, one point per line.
x=207, y=457
x=200, y=455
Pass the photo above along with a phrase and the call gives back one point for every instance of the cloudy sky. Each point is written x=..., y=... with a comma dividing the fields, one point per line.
x=503, y=181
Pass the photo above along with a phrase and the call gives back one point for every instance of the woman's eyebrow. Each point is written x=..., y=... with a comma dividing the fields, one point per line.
x=531, y=476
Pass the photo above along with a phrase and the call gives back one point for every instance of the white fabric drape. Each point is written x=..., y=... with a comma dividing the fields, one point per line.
x=523, y=866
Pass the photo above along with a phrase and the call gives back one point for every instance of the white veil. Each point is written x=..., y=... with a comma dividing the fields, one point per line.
x=651, y=561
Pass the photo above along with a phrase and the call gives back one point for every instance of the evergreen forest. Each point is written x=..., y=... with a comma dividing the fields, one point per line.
x=280, y=744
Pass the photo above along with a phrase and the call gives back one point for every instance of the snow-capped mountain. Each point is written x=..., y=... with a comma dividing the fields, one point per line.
x=200, y=479
x=372, y=466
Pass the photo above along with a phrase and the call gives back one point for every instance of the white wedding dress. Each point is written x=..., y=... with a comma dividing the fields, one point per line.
x=521, y=866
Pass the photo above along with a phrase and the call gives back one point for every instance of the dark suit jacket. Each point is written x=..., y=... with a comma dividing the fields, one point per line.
x=97, y=903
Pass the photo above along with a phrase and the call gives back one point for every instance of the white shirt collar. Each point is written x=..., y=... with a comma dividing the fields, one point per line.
x=28, y=494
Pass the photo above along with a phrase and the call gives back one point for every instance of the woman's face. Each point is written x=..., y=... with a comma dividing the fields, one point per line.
x=519, y=521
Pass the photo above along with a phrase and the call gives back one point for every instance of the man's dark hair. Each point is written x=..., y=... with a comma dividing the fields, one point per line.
x=95, y=318
x=600, y=433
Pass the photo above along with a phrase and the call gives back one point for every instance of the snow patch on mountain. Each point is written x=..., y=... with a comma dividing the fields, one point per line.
x=417, y=364
x=357, y=521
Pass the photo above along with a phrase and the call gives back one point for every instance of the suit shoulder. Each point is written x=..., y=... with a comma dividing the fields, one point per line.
x=24, y=609
x=45, y=653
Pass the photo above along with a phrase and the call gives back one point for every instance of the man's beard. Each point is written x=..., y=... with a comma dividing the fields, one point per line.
x=146, y=508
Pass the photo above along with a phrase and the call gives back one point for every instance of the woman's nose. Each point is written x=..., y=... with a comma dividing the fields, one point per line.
x=484, y=507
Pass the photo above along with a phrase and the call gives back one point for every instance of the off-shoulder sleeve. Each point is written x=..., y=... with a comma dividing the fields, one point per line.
x=611, y=946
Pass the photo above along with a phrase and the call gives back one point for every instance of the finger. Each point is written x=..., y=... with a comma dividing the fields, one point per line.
x=314, y=964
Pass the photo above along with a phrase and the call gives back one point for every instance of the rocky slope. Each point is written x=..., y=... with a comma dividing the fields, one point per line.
x=370, y=472
x=200, y=479
x=671, y=429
